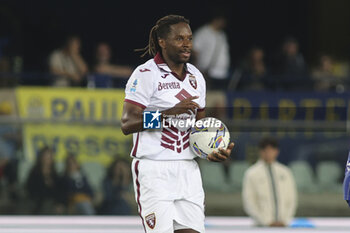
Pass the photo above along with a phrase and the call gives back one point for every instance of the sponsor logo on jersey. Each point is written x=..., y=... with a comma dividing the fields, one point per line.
x=151, y=220
x=166, y=86
x=133, y=87
x=193, y=81
x=144, y=70
x=151, y=119
x=164, y=76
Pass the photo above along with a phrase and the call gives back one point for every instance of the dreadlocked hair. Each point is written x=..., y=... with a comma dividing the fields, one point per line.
x=160, y=30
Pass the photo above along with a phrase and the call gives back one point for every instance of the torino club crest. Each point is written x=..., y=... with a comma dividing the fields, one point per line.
x=151, y=220
x=193, y=81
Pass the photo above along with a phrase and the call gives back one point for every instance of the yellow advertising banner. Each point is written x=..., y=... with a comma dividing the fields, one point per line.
x=89, y=142
x=73, y=120
x=70, y=104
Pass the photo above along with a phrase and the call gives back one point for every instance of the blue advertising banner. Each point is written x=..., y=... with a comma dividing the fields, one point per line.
x=317, y=129
x=288, y=106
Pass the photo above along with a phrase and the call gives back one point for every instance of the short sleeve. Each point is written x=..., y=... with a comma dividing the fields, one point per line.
x=139, y=88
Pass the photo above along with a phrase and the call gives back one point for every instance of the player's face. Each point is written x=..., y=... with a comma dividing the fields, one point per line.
x=269, y=154
x=178, y=44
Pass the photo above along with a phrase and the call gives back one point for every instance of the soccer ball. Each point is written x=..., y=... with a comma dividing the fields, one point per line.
x=208, y=134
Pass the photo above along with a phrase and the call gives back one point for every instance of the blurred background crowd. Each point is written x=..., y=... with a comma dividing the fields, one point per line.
x=269, y=46
x=245, y=49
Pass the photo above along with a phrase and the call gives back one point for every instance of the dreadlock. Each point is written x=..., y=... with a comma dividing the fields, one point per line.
x=161, y=30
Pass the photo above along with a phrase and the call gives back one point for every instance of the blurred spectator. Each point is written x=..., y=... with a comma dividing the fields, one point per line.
x=78, y=192
x=326, y=77
x=290, y=68
x=211, y=52
x=269, y=191
x=8, y=65
x=5, y=65
x=107, y=73
x=10, y=139
x=252, y=74
x=346, y=183
x=323, y=76
x=115, y=186
x=43, y=184
x=292, y=61
x=67, y=64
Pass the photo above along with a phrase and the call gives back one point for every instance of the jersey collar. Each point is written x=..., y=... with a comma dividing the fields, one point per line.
x=158, y=59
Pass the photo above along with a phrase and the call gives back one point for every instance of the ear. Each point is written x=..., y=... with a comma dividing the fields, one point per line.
x=161, y=43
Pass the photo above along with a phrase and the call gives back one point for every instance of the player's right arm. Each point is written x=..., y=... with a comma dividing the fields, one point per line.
x=184, y=106
x=132, y=116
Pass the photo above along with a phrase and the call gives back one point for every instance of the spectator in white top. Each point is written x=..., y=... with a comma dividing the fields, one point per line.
x=67, y=64
x=269, y=191
x=211, y=51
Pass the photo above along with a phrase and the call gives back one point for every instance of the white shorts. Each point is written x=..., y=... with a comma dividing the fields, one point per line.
x=169, y=195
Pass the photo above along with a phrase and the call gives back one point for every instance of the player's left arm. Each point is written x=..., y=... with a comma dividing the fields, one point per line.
x=221, y=154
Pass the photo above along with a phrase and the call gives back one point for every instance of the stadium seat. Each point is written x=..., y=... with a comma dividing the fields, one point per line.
x=95, y=173
x=328, y=175
x=304, y=176
x=213, y=176
x=236, y=171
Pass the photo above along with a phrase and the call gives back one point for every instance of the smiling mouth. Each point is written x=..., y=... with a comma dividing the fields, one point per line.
x=186, y=53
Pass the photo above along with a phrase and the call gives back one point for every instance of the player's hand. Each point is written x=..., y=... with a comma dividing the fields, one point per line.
x=221, y=155
x=185, y=106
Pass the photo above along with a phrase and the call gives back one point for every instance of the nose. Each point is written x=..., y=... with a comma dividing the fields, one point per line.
x=187, y=42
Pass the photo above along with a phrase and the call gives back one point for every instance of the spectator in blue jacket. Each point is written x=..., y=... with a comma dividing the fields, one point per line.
x=78, y=192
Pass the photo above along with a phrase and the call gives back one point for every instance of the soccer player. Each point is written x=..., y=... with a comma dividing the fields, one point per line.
x=167, y=180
